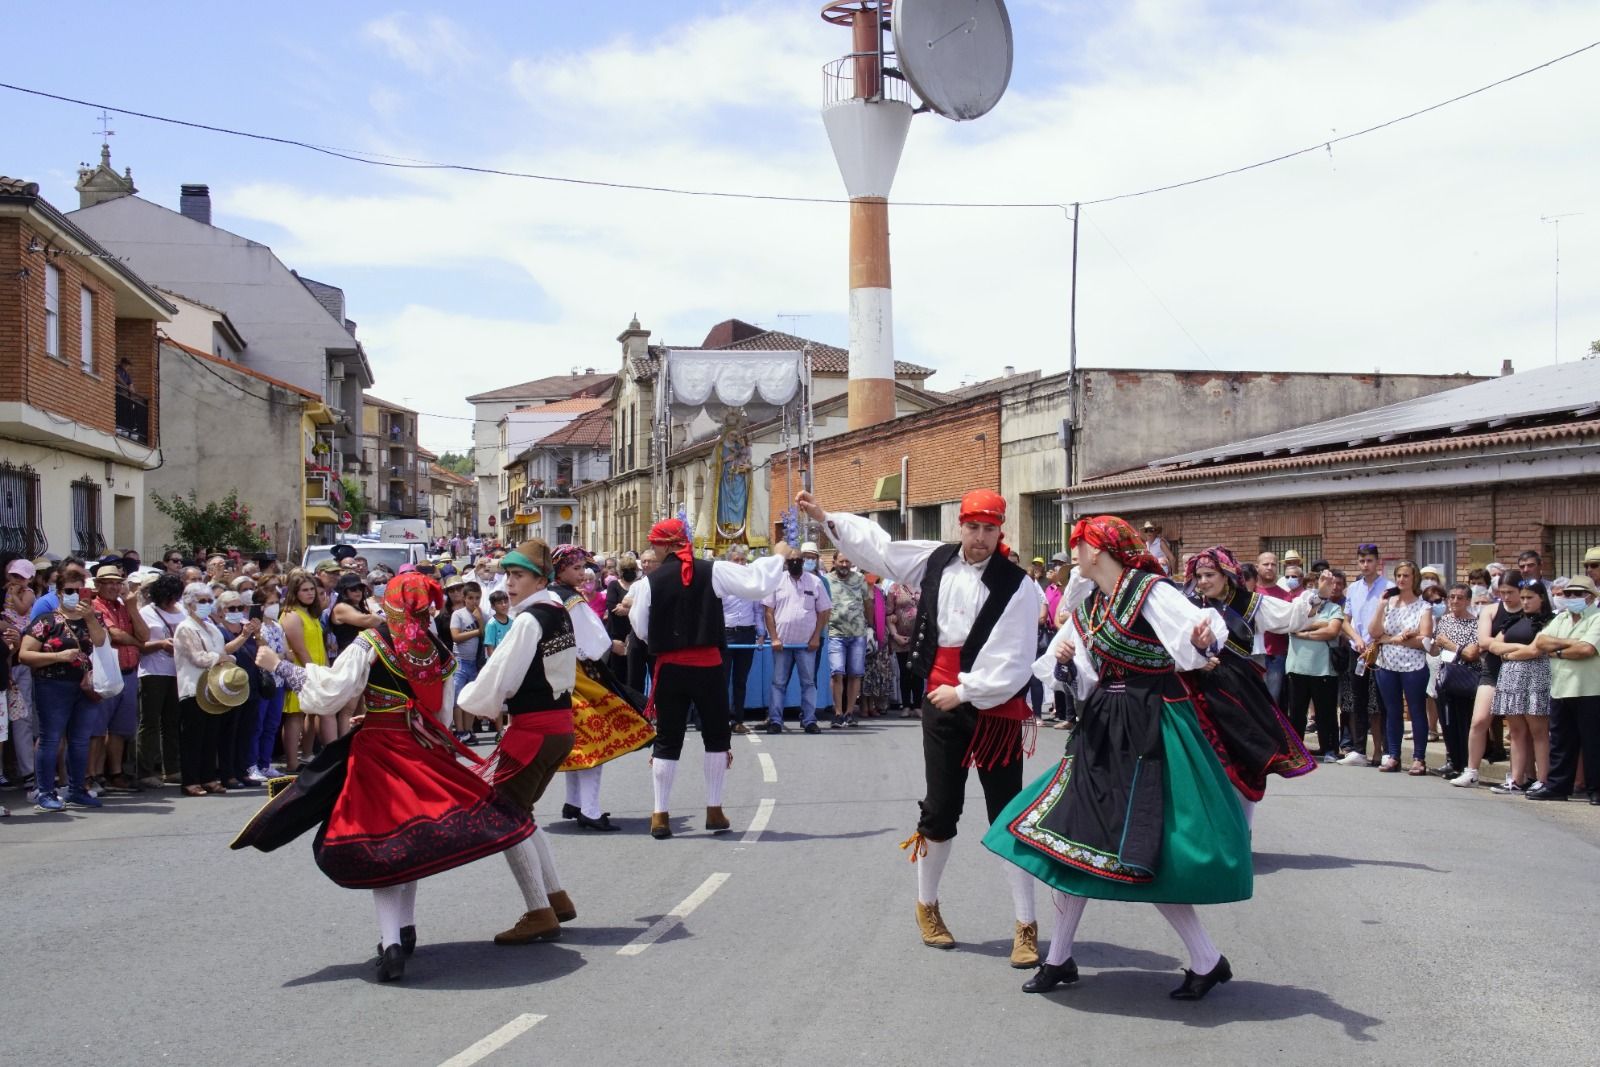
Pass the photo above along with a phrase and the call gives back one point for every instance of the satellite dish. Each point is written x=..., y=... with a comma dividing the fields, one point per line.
x=955, y=53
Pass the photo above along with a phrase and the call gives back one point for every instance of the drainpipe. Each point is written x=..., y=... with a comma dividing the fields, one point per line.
x=905, y=518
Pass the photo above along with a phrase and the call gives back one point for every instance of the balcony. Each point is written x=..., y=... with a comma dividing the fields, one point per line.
x=323, y=489
x=133, y=414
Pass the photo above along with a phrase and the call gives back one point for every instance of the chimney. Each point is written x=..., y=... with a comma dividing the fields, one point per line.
x=1506, y=369
x=1009, y=370
x=194, y=202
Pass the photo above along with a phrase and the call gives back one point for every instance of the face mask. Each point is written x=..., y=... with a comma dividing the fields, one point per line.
x=1429, y=583
x=795, y=566
x=378, y=589
x=1479, y=591
x=236, y=618
x=271, y=611
x=247, y=597
x=69, y=600
x=810, y=565
x=630, y=573
x=204, y=610
x=1574, y=604
x=1292, y=582
x=1438, y=610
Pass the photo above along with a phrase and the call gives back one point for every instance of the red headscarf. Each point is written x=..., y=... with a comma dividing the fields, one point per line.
x=673, y=536
x=408, y=601
x=1111, y=534
x=983, y=505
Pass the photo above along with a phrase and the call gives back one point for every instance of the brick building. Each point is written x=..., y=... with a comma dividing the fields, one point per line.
x=79, y=373
x=1476, y=473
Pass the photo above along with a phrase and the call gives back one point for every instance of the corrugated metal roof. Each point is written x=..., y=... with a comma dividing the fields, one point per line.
x=1485, y=405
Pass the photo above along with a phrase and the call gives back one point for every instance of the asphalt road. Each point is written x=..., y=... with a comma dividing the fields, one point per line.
x=1394, y=918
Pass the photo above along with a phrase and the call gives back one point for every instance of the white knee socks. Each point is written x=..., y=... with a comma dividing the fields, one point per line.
x=408, y=904
x=1069, y=909
x=524, y=860
x=1249, y=812
x=588, y=791
x=1203, y=955
x=662, y=772
x=716, y=774
x=575, y=789
x=391, y=907
x=547, y=862
x=930, y=868
x=1021, y=892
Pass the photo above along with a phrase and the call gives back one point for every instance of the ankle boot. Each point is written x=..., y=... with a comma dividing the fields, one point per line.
x=660, y=825
x=1025, y=946
x=717, y=822
x=562, y=905
x=540, y=925
x=934, y=932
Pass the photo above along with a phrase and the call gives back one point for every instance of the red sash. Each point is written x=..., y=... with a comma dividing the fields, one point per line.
x=1005, y=732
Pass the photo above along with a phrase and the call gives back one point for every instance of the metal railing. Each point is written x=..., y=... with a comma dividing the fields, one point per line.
x=840, y=80
x=133, y=414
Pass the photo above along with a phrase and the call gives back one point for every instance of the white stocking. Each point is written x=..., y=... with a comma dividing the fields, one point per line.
x=524, y=860
x=1203, y=955
x=1021, y=893
x=1069, y=909
x=662, y=772
x=547, y=862
x=930, y=868
x=408, y=904
x=716, y=774
x=588, y=791
x=391, y=908
x=1249, y=812
x=574, y=790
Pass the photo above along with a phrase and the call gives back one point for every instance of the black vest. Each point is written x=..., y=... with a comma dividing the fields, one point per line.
x=1001, y=577
x=684, y=616
x=535, y=693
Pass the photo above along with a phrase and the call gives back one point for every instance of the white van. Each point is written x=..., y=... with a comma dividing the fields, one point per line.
x=376, y=553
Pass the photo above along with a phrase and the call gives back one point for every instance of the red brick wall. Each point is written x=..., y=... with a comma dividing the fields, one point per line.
x=11, y=245
x=946, y=461
x=136, y=339
x=1512, y=517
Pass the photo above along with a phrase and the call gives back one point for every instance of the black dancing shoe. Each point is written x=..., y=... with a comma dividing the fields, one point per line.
x=1540, y=791
x=1050, y=976
x=408, y=939
x=392, y=964
x=570, y=811
x=603, y=823
x=1196, y=986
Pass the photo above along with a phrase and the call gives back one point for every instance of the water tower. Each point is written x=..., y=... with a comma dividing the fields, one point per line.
x=955, y=57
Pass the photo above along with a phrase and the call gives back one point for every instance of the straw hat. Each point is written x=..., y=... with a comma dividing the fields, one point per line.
x=222, y=688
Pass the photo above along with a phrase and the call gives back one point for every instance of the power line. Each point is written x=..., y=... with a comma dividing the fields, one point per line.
x=372, y=159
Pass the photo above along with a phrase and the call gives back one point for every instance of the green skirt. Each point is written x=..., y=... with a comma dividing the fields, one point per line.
x=1205, y=842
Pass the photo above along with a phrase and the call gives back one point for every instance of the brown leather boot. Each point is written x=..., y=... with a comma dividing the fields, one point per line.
x=717, y=822
x=1025, y=946
x=660, y=825
x=534, y=926
x=934, y=932
x=562, y=905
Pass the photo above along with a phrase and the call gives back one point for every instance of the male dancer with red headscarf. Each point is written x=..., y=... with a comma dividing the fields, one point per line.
x=677, y=612
x=975, y=639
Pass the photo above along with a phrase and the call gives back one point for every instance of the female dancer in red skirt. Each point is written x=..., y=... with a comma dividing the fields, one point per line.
x=406, y=808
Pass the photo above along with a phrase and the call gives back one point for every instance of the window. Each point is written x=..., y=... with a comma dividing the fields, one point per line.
x=1310, y=548
x=87, y=540
x=52, y=310
x=889, y=521
x=1045, y=514
x=1437, y=547
x=21, y=531
x=926, y=524
x=86, y=329
x=1568, y=544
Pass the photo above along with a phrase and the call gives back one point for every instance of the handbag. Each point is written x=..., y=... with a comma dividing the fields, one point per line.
x=1457, y=680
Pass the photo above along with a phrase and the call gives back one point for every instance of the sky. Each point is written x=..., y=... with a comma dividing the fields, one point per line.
x=1426, y=247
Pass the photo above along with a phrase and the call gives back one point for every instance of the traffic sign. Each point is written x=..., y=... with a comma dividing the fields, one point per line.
x=346, y=520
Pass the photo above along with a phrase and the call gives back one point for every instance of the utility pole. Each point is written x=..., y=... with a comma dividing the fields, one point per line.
x=1069, y=430
x=1555, y=220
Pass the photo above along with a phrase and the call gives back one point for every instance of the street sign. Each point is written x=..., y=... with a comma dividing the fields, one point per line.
x=491, y=522
x=345, y=520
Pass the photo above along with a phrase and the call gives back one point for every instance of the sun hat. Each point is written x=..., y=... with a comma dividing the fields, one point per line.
x=810, y=548
x=222, y=688
x=22, y=569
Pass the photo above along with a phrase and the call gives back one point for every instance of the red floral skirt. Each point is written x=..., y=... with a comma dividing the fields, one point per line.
x=408, y=809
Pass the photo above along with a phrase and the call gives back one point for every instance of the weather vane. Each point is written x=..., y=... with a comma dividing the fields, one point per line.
x=105, y=131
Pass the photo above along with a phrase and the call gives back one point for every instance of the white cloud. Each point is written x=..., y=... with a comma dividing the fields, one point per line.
x=426, y=45
x=1418, y=248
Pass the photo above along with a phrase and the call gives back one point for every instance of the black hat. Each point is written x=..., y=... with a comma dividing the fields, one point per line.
x=350, y=580
x=343, y=552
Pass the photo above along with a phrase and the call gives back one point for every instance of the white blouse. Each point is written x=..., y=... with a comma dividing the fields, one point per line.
x=755, y=581
x=1172, y=615
x=196, y=647
x=504, y=672
x=1001, y=669
x=328, y=690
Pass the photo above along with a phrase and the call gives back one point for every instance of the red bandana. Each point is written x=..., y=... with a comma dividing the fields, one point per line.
x=981, y=505
x=1114, y=535
x=669, y=533
x=407, y=602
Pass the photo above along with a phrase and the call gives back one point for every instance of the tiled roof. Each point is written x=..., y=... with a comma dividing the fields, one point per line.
x=554, y=387
x=578, y=403
x=1431, y=446
x=589, y=430
x=447, y=475
x=18, y=186
x=200, y=353
x=825, y=358
x=368, y=398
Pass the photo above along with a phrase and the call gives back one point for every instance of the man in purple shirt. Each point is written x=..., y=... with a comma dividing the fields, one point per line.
x=796, y=617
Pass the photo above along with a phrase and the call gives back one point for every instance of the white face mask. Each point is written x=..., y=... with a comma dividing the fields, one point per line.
x=271, y=611
x=1429, y=583
x=235, y=618
x=1479, y=591
x=69, y=600
x=1574, y=604
x=247, y=597
x=1292, y=582
x=204, y=610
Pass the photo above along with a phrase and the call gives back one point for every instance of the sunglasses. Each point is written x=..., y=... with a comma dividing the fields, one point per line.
x=207, y=600
x=1592, y=565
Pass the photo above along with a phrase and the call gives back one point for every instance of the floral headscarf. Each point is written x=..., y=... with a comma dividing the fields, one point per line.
x=1111, y=534
x=408, y=603
x=565, y=555
x=1218, y=559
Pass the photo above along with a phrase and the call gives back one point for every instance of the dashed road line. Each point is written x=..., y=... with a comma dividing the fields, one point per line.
x=769, y=770
x=752, y=738
x=759, y=824
x=663, y=925
x=495, y=1041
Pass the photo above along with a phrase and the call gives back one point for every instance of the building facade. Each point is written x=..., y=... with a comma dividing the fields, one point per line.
x=389, y=451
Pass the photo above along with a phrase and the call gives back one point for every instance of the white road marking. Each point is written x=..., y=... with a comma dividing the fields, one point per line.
x=663, y=925
x=759, y=824
x=495, y=1041
x=769, y=770
x=752, y=738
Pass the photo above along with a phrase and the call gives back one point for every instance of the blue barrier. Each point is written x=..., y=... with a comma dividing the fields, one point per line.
x=758, y=690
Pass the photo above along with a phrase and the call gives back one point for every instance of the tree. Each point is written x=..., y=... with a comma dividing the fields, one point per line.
x=1594, y=348
x=215, y=527
x=355, y=500
x=457, y=463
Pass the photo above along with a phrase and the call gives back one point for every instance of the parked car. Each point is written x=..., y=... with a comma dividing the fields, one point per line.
x=385, y=553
